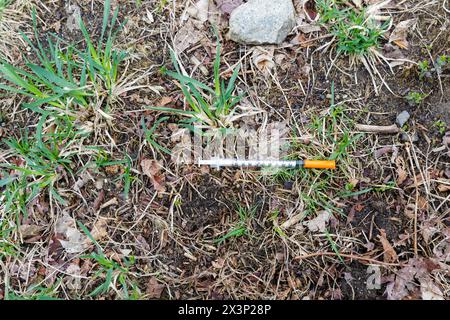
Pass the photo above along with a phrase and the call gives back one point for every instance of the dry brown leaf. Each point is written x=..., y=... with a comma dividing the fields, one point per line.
x=30, y=231
x=389, y=254
x=165, y=101
x=443, y=187
x=113, y=169
x=298, y=39
x=428, y=230
x=263, y=59
x=422, y=203
x=319, y=223
x=410, y=210
x=151, y=168
x=186, y=37
x=72, y=280
x=400, y=33
x=403, y=282
x=73, y=241
x=292, y=221
x=429, y=290
x=395, y=54
x=100, y=229
x=416, y=269
x=402, y=175
x=154, y=288
x=382, y=151
x=218, y=263
x=420, y=182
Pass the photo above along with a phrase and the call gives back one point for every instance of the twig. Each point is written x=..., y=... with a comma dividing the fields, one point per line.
x=378, y=129
x=417, y=200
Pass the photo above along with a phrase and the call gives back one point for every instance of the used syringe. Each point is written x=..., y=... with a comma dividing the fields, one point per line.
x=307, y=164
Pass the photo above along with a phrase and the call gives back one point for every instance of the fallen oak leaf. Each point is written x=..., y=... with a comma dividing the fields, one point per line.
x=404, y=283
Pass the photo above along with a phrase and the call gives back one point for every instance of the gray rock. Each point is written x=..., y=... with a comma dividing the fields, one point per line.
x=262, y=21
x=402, y=118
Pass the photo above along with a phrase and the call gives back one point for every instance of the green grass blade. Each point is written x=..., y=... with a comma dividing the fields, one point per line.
x=106, y=12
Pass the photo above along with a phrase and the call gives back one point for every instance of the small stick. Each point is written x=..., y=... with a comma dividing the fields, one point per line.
x=416, y=251
x=378, y=129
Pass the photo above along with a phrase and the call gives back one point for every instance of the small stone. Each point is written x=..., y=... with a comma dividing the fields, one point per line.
x=262, y=21
x=402, y=118
x=405, y=137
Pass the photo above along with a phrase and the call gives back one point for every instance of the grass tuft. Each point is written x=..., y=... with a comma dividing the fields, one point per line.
x=356, y=34
x=241, y=228
x=37, y=163
x=209, y=106
x=65, y=75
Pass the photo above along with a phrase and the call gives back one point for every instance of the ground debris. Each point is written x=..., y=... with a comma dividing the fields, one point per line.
x=398, y=36
x=319, y=223
x=412, y=278
x=152, y=169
